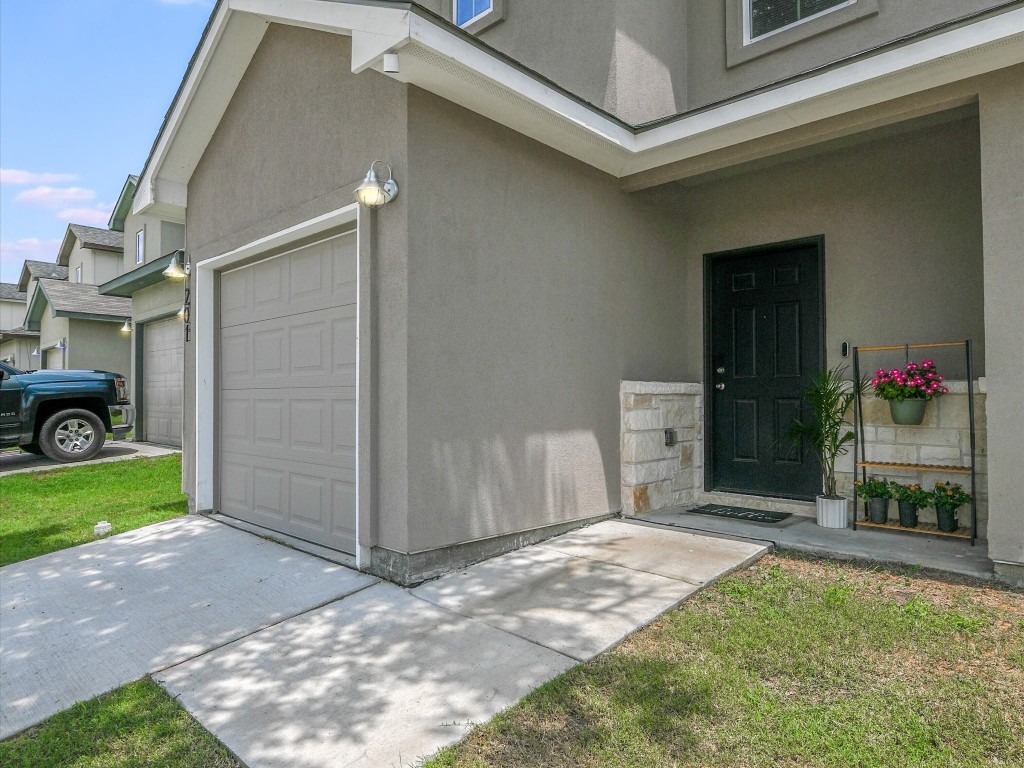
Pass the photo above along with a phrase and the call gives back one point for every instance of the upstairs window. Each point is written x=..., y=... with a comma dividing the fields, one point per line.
x=140, y=246
x=470, y=11
x=766, y=17
x=78, y=274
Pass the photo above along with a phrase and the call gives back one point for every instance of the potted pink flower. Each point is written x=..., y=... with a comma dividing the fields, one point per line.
x=909, y=390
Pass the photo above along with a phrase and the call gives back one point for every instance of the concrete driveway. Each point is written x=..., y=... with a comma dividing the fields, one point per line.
x=296, y=662
x=14, y=461
x=80, y=622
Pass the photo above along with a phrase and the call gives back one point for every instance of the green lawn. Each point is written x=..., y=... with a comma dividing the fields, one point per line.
x=137, y=725
x=793, y=663
x=42, y=512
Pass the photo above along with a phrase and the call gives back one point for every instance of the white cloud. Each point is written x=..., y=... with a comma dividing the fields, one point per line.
x=14, y=252
x=15, y=177
x=54, y=197
x=97, y=215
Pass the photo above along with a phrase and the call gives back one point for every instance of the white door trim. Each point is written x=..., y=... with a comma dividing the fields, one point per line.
x=204, y=276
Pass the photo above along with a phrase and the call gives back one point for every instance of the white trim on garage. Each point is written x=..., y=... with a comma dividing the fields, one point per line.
x=205, y=313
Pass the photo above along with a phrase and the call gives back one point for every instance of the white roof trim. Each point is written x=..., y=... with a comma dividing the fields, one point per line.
x=440, y=60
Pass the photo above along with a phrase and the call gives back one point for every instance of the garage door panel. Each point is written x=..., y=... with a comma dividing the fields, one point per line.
x=163, y=368
x=287, y=393
x=315, y=349
x=318, y=276
x=310, y=501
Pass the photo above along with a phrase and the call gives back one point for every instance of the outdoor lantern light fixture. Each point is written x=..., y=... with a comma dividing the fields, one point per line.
x=127, y=327
x=61, y=345
x=174, y=270
x=373, y=193
x=35, y=352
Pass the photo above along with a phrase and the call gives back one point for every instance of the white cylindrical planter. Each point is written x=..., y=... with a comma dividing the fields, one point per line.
x=832, y=513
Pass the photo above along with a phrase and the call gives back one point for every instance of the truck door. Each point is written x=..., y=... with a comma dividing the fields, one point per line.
x=10, y=406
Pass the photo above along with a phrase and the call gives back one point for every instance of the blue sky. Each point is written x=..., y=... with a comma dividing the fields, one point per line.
x=84, y=85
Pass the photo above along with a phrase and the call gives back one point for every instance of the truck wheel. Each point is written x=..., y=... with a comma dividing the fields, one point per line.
x=72, y=435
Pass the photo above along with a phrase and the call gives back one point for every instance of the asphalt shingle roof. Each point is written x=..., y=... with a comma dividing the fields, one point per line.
x=48, y=269
x=10, y=292
x=93, y=237
x=79, y=297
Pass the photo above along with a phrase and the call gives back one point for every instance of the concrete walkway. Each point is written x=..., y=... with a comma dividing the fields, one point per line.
x=80, y=622
x=14, y=461
x=388, y=676
x=803, y=534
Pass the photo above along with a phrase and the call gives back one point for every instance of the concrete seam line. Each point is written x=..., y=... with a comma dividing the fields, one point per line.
x=491, y=626
x=265, y=627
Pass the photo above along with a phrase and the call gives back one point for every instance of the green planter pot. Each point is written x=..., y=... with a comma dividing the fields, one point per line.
x=947, y=518
x=878, y=510
x=907, y=412
x=908, y=514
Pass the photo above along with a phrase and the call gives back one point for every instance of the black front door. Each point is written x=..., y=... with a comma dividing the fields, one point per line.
x=764, y=319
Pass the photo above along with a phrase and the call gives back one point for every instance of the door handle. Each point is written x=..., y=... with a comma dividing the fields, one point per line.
x=719, y=386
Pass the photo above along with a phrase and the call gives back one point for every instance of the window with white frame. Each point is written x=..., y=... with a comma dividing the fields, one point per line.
x=140, y=246
x=766, y=17
x=467, y=12
x=78, y=274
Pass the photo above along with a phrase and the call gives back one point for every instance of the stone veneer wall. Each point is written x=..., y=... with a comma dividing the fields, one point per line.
x=655, y=476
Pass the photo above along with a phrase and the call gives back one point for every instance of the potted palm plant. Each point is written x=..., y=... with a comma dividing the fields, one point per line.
x=828, y=433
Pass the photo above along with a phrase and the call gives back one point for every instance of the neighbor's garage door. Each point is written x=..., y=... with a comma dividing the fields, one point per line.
x=163, y=352
x=287, y=416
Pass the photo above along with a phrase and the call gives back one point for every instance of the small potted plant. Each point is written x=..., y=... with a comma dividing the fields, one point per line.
x=909, y=390
x=876, y=494
x=828, y=434
x=910, y=498
x=948, y=498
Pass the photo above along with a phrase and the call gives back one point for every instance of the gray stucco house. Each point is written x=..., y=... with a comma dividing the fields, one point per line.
x=584, y=190
x=152, y=279
x=75, y=326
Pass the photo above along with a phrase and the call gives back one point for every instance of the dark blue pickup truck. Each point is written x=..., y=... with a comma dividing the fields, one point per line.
x=63, y=414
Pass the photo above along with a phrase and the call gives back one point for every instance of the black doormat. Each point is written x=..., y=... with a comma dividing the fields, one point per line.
x=742, y=513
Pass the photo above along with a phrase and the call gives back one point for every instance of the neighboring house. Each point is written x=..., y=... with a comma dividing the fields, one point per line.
x=78, y=328
x=91, y=255
x=16, y=343
x=714, y=193
x=31, y=271
x=157, y=368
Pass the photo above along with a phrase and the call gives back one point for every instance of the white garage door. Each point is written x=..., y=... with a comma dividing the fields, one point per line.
x=287, y=406
x=163, y=365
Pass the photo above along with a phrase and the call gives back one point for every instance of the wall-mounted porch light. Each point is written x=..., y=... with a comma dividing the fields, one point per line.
x=174, y=270
x=127, y=327
x=373, y=193
x=35, y=352
x=61, y=345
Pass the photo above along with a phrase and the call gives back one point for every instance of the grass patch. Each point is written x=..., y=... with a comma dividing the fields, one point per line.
x=43, y=512
x=137, y=725
x=796, y=662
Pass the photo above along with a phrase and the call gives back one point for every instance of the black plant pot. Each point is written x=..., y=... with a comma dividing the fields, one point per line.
x=878, y=510
x=908, y=514
x=947, y=518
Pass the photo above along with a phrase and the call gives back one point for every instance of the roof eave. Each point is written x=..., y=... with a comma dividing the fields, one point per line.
x=145, y=276
x=442, y=59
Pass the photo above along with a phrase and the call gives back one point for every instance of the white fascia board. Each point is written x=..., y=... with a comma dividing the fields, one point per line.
x=441, y=61
x=219, y=66
x=917, y=66
x=374, y=30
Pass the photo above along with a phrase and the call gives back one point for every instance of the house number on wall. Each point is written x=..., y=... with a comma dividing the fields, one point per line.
x=188, y=314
